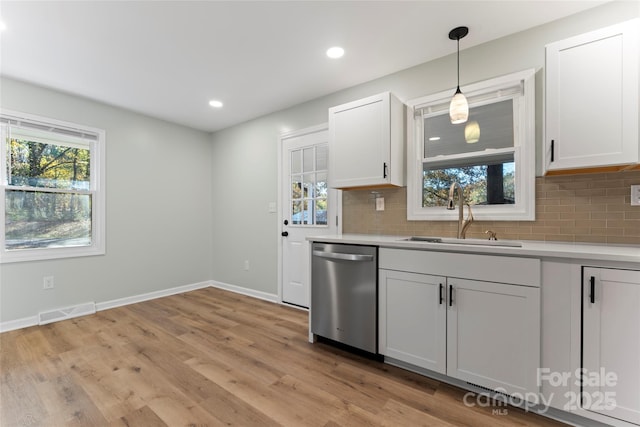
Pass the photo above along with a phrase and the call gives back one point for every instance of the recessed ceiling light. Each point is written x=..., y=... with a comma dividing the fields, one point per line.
x=335, y=52
x=434, y=138
x=215, y=103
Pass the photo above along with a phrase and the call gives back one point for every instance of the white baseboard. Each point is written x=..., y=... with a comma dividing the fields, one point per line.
x=26, y=322
x=12, y=325
x=150, y=295
x=245, y=291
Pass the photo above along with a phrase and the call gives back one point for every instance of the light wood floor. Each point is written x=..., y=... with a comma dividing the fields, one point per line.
x=210, y=358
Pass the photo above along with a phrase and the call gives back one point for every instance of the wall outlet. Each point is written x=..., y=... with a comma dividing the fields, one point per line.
x=379, y=203
x=245, y=266
x=635, y=195
x=47, y=282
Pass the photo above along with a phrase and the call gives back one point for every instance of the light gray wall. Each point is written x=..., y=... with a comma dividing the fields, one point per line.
x=245, y=156
x=158, y=198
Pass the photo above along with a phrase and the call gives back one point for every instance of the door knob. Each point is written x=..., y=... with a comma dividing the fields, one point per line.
x=285, y=233
x=286, y=222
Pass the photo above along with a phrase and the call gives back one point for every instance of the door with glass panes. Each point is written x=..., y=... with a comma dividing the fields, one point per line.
x=310, y=207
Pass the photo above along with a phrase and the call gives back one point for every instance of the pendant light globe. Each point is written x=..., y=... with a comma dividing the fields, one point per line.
x=459, y=108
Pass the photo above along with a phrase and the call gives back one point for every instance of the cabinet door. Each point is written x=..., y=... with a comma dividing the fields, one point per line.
x=493, y=335
x=412, y=318
x=592, y=99
x=611, y=342
x=359, y=142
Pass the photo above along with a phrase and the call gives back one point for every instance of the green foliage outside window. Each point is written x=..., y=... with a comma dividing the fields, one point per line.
x=47, y=218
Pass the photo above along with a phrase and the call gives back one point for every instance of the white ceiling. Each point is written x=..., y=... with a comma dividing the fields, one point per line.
x=167, y=59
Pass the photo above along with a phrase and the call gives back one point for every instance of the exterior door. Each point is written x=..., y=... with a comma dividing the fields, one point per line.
x=309, y=207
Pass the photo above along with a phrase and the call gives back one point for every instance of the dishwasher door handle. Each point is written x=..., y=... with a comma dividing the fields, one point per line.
x=344, y=257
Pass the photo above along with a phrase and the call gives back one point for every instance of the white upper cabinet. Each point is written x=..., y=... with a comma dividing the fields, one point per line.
x=591, y=112
x=366, y=143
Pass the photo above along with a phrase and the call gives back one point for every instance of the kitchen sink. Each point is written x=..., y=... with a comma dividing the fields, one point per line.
x=454, y=241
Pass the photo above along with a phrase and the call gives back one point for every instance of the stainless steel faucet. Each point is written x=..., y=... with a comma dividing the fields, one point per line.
x=463, y=224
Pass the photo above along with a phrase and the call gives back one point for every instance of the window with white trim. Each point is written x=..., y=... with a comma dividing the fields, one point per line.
x=492, y=155
x=52, y=183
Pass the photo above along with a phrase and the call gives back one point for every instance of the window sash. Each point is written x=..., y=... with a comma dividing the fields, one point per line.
x=49, y=131
x=466, y=159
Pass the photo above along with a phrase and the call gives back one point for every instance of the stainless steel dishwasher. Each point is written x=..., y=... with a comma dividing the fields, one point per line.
x=344, y=294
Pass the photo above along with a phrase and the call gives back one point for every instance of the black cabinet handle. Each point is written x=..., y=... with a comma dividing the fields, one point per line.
x=441, y=296
x=592, y=297
x=384, y=170
x=552, y=149
x=450, y=295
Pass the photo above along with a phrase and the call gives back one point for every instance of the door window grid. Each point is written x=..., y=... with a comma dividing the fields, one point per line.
x=308, y=180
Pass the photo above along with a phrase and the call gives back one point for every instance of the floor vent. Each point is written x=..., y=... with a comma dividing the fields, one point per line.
x=490, y=390
x=66, y=313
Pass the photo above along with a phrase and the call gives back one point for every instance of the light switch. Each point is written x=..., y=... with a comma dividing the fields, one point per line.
x=272, y=207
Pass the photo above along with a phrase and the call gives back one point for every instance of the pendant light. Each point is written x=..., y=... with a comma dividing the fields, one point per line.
x=459, y=107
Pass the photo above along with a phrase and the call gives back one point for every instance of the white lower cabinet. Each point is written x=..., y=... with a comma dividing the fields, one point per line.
x=481, y=332
x=493, y=335
x=413, y=319
x=611, y=343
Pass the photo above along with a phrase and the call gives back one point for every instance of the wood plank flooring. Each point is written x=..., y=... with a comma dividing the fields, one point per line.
x=212, y=358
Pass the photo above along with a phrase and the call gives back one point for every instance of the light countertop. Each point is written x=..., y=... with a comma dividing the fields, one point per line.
x=530, y=248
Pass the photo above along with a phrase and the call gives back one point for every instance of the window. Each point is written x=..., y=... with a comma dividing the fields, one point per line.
x=309, y=185
x=52, y=178
x=492, y=155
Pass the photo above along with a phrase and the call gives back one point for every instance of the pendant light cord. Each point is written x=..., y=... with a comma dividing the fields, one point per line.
x=458, y=63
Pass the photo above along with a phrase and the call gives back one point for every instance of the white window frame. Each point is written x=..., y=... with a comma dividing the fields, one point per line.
x=97, y=187
x=523, y=150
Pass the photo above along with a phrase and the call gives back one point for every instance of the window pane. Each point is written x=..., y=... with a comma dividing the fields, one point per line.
x=308, y=163
x=38, y=164
x=321, y=157
x=307, y=208
x=321, y=211
x=321, y=184
x=296, y=161
x=296, y=187
x=296, y=212
x=46, y=220
x=489, y=126
x=488, y=183
x=309, y=184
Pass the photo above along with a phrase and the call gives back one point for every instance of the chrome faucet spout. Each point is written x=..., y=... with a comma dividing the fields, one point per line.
x=463, y=225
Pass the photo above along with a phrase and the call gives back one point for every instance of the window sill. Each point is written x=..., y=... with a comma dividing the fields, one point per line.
x=25, y=255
